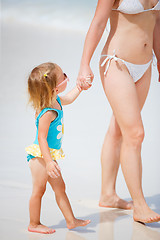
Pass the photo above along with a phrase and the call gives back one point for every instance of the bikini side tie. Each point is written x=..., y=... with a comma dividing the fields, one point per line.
x=109, y=58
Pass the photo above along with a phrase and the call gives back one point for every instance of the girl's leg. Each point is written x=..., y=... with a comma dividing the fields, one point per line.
x=58, y=187
x=122, y=95
x=39, y=179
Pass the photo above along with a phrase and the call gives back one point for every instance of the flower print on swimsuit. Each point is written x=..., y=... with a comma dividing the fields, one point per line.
x=60, y=128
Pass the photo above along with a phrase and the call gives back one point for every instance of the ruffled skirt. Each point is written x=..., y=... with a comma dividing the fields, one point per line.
x=34, y=151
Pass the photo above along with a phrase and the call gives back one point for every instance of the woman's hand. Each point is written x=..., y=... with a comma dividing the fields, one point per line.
x=53, y=170
x=158, y=67
x=85, y=78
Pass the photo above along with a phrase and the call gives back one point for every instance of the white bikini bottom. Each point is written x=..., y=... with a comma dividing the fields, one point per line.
x=135, y=70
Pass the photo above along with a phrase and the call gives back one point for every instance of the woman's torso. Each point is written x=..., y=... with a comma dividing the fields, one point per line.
x=131, y=35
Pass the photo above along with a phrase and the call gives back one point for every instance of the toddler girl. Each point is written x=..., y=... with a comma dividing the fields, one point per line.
x=44, y=83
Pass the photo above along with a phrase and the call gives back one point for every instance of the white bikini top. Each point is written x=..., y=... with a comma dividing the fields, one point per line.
x=134, y=7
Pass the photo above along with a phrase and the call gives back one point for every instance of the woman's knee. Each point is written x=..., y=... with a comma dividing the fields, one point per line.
x=134, y=135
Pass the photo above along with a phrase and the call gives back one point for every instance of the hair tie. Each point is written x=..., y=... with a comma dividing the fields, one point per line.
x=45, y=75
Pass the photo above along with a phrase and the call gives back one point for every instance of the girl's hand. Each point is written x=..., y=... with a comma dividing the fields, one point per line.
x=158, y=67
x=85, y=78
x=53, y=170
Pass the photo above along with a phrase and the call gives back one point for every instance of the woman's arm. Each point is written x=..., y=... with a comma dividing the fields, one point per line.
x=156, y=41
x=52, y=167
x=96, y=29
x=70, y=97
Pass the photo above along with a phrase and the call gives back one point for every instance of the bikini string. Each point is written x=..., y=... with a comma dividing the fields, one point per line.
x=108, y=60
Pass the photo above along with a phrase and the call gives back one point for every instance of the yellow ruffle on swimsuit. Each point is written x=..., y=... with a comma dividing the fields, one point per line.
x=35, y=151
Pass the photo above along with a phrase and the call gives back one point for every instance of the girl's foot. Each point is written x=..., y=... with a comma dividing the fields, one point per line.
x=145, y=215
x=77, y=223
x=113, y=201
x=40, y=229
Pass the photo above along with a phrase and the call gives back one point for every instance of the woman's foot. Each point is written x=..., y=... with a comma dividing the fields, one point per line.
x=113, y=201
x=77, y=223
x=145, y=215
x=40, y=229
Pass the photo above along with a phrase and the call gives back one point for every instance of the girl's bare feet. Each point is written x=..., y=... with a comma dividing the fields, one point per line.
x=77, y=223
x=113, y=201
x=145, y=215
x=40, y=229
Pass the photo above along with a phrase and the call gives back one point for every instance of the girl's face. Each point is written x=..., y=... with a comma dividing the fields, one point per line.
x=61, y=81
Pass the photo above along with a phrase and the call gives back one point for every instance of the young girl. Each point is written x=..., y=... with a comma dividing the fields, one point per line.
x=44, y=83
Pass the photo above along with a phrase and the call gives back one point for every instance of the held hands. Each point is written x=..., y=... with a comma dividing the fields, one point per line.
x=53, y=170
x=85, y=78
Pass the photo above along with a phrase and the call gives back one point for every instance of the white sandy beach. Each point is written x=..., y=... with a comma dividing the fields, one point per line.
x=23, y=47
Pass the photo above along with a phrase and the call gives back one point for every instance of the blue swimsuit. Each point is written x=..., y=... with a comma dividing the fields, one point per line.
x=54, y=137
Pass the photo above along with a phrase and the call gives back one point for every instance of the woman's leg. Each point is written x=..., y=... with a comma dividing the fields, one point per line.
x=122, y=95
x=39, y=179
x=110, y=160
x=110, y=157
x=58, y=187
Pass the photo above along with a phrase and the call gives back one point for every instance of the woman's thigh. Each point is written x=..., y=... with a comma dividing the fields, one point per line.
x=126, y=97
x=142, y=88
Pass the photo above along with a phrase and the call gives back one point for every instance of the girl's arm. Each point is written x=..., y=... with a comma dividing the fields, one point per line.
x=70, y=97
x=102, y=13
x=156, y=41
x=52, y=167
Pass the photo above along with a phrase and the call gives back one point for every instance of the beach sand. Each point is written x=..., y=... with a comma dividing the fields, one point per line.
x=23, y=47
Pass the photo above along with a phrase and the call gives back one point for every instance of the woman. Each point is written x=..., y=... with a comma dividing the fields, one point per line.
x=125, y=70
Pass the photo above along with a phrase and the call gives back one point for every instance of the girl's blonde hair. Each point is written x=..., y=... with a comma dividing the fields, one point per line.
x=41, y=85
